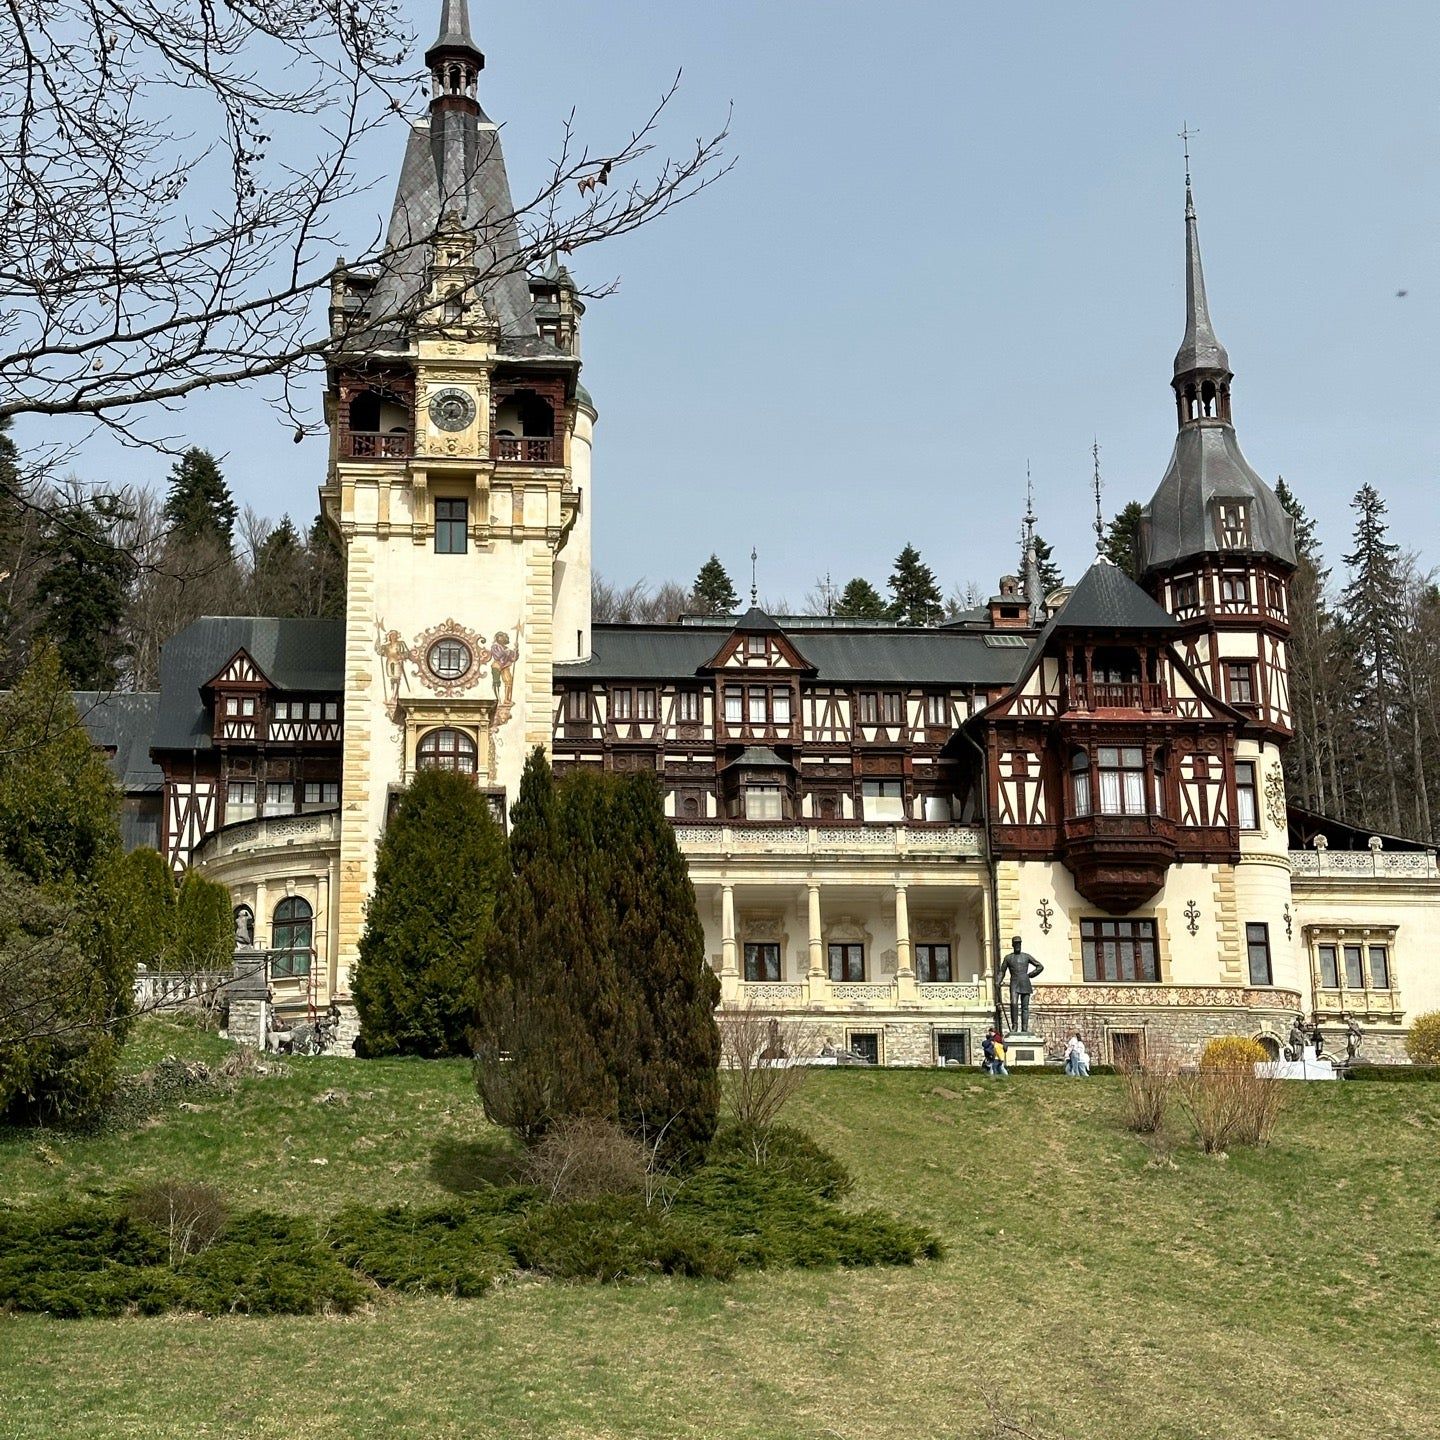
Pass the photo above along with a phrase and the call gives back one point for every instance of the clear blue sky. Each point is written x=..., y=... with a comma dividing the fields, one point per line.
x=953, y=242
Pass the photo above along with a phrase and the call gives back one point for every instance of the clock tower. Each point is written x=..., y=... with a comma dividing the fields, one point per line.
x=458, y=480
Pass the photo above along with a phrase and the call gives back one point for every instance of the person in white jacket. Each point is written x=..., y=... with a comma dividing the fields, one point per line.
x=1077, y=1058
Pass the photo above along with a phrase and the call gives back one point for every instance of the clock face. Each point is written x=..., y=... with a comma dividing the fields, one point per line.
x=451, y=410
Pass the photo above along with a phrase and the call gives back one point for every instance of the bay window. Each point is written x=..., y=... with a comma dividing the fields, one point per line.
x=1122, y=779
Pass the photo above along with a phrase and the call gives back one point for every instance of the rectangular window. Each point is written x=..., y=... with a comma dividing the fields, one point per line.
x=867, y=708
x=754, y=644
x=687, y=706
x=757, y=706
x=313, y=710
x=332, y=709
x=884, y=799
x=952, y=1047
x=279, y=798
x=644, y=704
x=1122, y=779
x=232, y=706
x=893, y=707
x=865, y=1044
x=1354, y=970
x=451, y=517
x=1120, y=950
x=1234, y=527
x=938, y=808
x=322, y=792
x=1275, y=595
x=1329, y=967
x=620, y=704
x=847, y=962
x=239, y=801
x=1246, y=795
x=932, y=964
x=734, y=707
x=780, y=707
x=1240, y=682
x=1257, y=946
x=937, y=710
x=1183, y=593
x=762, y=802
x=577, y=705
x=762, y=960
x=1234, y=590
x=282, y=709
x=1379, y=968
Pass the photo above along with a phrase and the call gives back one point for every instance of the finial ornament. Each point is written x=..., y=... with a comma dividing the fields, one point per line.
x=1099, y=512
x=1185, y=133
x=754, y=588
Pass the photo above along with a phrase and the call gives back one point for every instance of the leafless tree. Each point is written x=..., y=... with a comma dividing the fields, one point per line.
x=759, y=1052
x=637, y=603
x=172, y=177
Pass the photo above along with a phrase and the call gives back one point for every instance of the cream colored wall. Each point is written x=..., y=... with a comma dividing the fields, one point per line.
x=573, y=564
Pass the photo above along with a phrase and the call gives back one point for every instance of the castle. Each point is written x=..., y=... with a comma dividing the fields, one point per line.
x=869, y=811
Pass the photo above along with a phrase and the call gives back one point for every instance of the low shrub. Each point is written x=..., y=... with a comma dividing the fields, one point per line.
x=1232, y=1052
x=1233, y=1106
x=582, y=1158
x=782, y=1150
x=456, y=1249
x=1393, y=1073
x=1148, y=1086
x=1422, y=1041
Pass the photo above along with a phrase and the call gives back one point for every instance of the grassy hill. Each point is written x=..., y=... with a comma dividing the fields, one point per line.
x=1094, y=1286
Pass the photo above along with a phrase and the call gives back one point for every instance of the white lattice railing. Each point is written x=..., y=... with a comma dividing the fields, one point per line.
x=319, y=828
x=1366, y=864
x=810, y=840
x=165, y=990
x=954, y=994
x=861, y=994
x=767, y=992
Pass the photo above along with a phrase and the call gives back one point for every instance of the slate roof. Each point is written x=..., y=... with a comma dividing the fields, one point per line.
x=759, y=755
x=1201, y=348
x=888, y=656
x=295, y=655
x=123, y=723
x=1207, y=465
x=1108, y=599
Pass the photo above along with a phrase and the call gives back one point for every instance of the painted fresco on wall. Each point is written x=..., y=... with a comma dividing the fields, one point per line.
x=450, y=659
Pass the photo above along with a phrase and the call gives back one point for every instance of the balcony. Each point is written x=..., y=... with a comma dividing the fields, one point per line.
x=375, y=445
x=1143, y=695
x=527, y=449
x=945, y=842
x=1118, y=861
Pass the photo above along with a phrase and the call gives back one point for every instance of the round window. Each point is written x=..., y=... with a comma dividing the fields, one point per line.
x=449, y=658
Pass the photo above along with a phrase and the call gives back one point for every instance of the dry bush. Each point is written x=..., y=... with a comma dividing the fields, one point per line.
x=1231, y=1106
x=763, y=1057
x=190, y=1215
x=583, y=1158
x=1148, y=1085
x=1422, y=1043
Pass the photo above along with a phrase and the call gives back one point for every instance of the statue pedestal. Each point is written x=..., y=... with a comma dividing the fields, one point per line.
x=1308, y=1067
x=1023, y=1049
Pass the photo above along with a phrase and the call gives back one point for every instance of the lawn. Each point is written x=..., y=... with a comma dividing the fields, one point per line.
x=1093, y=1287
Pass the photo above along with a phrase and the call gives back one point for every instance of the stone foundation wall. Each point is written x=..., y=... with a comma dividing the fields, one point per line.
x=249, y=1022
x=347, y=1027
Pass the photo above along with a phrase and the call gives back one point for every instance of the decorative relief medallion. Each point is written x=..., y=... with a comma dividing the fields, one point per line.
x=448, y=657
x=452, y=409
x=1192, y=918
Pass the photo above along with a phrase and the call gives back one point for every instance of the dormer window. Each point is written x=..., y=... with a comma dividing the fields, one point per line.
x=754, y=644
x=1234, y=525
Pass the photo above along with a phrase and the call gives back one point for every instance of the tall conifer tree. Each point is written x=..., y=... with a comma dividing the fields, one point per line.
x=915, y=597
x=860, y=600
x=714, y=591
x=199, y=505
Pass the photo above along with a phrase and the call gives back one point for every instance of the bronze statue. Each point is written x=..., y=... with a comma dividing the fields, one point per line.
x=1353, y=1038
x=1299, y=1036
x=1020, y=969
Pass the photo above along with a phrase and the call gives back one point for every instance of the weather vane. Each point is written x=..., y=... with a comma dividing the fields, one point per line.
x=1185, y=133
x=754, y=588
x=1099, y=513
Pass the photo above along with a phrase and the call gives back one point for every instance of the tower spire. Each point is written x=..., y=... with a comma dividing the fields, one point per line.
x=455, y=61
x=1099, y=509
x=1200, y=349
x=1029, y=559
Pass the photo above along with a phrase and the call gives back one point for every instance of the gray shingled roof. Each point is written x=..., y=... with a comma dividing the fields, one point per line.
x=123, y=724
x=1201, y=348
x=1108, y=599
x=295, y=655
x=920, y=657
x=1207, y=465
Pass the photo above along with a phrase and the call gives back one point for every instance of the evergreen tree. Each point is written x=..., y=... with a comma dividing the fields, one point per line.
x=65, y=982
x=324, y=573
x=1122, y=540
x=1050, y=576
x=441, y=860
x=1307, y=544
x=915, y=597
x=535, y=1059
x=20, y=535
x=187, y=928
x=278, y=578
x=860, y=600
x=714, y=592
x=198, y=505
x=1371, y=609
x=83, y=590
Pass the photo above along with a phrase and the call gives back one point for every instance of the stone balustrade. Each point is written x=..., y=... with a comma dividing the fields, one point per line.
x=946, y=840
x=1365, y=864
x=319, y=827
x=171, y=989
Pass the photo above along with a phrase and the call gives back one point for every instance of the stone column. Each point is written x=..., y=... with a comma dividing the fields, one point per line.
x=817, y=982
x=729, y=947
x=904, y=960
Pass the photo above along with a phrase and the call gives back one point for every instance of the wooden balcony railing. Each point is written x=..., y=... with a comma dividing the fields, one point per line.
x=1117, y=695
x=373, y=445
x=527, y=449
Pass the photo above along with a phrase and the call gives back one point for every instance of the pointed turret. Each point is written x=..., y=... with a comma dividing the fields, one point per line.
x=455, y=60
x=1200, y=349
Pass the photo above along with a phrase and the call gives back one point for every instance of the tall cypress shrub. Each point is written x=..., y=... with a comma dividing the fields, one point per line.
x=442, y=860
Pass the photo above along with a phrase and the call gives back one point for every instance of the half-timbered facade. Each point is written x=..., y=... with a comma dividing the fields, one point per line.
x=869, y=811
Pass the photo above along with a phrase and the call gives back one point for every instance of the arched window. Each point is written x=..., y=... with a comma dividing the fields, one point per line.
x=446, y=750
x=292, y=937
x=1080, y=783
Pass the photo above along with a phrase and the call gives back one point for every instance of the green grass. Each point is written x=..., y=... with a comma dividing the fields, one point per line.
x=1092, y=1287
